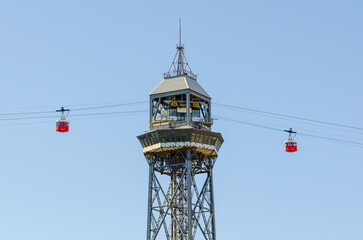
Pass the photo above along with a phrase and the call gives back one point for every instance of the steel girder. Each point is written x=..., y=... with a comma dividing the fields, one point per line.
x=181, y=198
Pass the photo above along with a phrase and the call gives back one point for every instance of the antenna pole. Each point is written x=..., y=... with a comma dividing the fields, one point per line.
x=179, y=32
x=180, y=65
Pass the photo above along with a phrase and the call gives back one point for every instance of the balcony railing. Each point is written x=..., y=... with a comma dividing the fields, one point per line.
x=183, y=73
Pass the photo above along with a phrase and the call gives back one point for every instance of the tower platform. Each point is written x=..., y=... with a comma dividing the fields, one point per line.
x=205, y=142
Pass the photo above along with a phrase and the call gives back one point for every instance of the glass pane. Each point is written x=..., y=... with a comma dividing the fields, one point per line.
x=187, y=138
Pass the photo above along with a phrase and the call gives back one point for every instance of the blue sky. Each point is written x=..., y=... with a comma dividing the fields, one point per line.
x=302, y=58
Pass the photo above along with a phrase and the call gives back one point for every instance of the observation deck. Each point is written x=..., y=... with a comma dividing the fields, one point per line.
x=205, y=142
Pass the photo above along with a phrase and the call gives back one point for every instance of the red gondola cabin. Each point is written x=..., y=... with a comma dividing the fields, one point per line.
x=290, y=146
x=62, y=126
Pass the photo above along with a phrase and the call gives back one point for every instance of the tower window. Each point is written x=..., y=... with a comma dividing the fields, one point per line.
x=196, y=113
x=172, y=112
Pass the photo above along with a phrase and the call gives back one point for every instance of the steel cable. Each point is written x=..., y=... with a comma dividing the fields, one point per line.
x=76, y=109
x=299, y=133
x=289, y=116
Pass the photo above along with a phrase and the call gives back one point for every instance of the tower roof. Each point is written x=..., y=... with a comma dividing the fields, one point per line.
x=178, y=83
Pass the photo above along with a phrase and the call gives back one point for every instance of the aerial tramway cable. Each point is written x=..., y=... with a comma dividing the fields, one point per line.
x=24, y=113
x=360, y=144
x=75, y=115
x=104, y=105
x=288, y=116
x=27, y=116
x=79, y=117
x=111, y=105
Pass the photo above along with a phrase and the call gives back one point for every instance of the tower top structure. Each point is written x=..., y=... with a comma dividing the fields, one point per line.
x=180, y=65
x=179, y=101
x=181, y=149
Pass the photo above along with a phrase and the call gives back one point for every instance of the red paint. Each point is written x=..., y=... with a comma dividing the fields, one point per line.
x=290, y=146
x=62, y=126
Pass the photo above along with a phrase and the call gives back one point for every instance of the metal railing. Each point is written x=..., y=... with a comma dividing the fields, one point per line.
x=175, y=74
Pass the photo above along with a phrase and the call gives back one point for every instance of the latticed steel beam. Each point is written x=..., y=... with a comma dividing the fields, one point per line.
x=179, y=208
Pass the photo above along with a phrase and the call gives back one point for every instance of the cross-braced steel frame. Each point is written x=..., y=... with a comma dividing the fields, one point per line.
x=181, y=198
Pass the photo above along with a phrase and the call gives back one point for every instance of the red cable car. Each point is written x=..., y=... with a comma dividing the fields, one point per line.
x=62, y=125
x=290, y=144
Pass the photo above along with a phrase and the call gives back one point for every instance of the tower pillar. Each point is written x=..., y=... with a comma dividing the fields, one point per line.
x=189, y=189
x=150, y=192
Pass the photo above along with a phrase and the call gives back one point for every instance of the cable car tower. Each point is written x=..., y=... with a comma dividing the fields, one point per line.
x=181, y=151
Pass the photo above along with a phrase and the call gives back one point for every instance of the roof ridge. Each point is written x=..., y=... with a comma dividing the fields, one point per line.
x=186, y=82
x=158, y=85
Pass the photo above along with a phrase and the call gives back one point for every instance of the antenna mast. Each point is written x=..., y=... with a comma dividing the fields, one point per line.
x=180, y=65
x=179, y=32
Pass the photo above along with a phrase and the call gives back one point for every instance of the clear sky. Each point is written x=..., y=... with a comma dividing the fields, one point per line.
x=302, y=58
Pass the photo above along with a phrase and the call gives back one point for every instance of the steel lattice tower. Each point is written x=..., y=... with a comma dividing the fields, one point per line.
x=181, y=150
